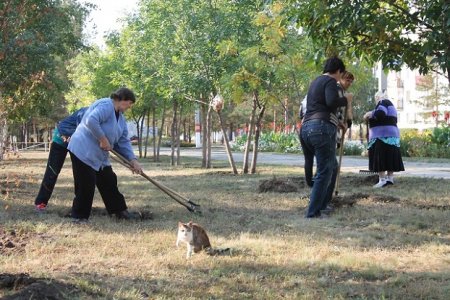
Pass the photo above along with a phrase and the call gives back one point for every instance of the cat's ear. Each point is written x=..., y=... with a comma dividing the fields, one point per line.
x=180, y=224
x=190, y=224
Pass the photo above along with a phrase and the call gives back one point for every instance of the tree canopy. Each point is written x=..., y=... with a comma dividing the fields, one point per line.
x=395, y=32
x=37, y=38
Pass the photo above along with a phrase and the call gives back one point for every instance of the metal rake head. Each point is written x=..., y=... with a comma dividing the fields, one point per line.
x=193, y=207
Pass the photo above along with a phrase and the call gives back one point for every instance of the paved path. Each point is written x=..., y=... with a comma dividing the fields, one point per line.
x=349, y=164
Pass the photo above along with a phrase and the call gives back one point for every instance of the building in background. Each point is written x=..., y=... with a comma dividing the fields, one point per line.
x=422, y=101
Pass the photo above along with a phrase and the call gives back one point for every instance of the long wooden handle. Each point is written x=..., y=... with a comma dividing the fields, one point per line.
x=193, y=207
x=341, y=153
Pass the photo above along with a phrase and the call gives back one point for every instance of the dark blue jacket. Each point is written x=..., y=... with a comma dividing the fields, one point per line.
x=67, y=126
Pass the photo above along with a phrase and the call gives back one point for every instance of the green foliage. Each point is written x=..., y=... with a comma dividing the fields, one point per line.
x=394, y=32
x=441, y=135
x=430, y=143
x=271, y=142
x=38, y=37
x=354, y=148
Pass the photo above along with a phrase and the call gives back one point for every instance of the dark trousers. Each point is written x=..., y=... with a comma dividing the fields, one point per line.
x=85, y=180
x=309, y=162
x=319, y=139
x=56, y=158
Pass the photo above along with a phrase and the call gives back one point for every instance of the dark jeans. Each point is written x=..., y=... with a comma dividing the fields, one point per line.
x=309, y=162
x=319, y=140
x=85, y=179
x=56, y=158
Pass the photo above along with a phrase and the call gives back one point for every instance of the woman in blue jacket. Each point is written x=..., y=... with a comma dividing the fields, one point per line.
x=102, y=128
x=56, y=157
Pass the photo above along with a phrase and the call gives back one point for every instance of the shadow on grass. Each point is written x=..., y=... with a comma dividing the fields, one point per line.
x=230, y=278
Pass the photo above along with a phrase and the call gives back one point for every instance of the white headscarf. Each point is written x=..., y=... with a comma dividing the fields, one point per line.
x=380, y=95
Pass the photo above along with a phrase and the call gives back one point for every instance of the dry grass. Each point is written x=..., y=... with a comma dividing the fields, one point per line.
x=373, y=250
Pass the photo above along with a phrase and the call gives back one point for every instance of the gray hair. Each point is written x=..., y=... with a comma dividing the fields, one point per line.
x=381, y=95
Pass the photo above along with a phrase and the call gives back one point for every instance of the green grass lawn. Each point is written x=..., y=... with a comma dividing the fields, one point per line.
x=393, y=244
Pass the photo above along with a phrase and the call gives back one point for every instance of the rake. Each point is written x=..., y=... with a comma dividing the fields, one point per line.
x=367, y=172
x=191, y=206
x=341, y=152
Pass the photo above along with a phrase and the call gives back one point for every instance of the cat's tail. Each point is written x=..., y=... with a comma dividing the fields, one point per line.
x=219, y=252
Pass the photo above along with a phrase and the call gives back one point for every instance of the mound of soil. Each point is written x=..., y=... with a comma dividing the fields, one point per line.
x=348, y=200
x=360, y=180
x=23, y=286
x=12, y=242
x=384, y=198
x=433, y=206
x=282, y=185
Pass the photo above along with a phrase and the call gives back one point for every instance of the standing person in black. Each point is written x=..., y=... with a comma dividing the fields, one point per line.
x=319, y=130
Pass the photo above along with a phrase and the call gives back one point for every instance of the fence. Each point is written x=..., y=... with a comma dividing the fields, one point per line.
x=22, y=147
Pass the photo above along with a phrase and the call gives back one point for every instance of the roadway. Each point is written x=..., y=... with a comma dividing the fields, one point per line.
x=350, y=164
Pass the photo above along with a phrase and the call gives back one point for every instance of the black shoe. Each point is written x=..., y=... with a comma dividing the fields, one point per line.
x=388, y=183
x=126, y=215
x=327, y=210
x=79, y=220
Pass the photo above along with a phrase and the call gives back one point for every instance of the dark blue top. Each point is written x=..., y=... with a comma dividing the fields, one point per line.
x=67, y=126
x=323, y=100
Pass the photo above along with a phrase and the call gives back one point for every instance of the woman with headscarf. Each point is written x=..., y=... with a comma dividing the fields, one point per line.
x=384, y=141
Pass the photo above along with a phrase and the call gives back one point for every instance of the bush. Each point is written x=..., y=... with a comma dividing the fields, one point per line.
x=271, y=142
x=429, y=143
x=168, y=142
x=354, y=147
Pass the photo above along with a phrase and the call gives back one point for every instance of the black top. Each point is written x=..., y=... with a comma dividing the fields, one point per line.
x=323, y=100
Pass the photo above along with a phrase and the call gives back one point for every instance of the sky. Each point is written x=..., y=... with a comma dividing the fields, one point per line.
x=105, y=18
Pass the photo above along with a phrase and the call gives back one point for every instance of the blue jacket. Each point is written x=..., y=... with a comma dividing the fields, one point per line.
x=66, y=127
x=100, y=121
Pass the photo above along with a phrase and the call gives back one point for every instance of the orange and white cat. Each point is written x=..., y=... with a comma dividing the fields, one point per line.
x=194, y=236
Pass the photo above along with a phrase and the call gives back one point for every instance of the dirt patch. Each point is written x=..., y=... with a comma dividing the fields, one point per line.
x=432, y=206
x=13, y=186
x=12, y=242
x=22, y=286
x=384, y=198
x=144, y=214
x=360, y=180
x=348, y=200
x=282, y=185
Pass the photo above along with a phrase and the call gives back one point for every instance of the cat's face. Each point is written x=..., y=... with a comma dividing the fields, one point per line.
x=184, y=232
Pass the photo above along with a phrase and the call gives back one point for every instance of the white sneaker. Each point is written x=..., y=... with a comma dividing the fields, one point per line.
x=380, y=184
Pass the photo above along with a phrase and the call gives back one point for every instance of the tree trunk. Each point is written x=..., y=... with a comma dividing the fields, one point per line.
x=160, y=132
x=208, y=138
x=3, y=135
x=141, y=133
x=257, y=135
x=178, y=136
x=227, y=145
x=189, y=131
x=250, y=133
x=361, y=137
x=173, y=132
x=286, y=116
x=154, y=131
x=204, y=133
x=147, y=133
x=230, y=137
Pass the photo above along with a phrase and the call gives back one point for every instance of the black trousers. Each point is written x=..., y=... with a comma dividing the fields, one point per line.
x=56, y=158
x=85, y=180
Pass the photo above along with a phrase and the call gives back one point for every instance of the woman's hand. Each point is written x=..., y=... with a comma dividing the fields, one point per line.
x=104, y=144
x=136, y=167
x=349, y=97
x=367, y=115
